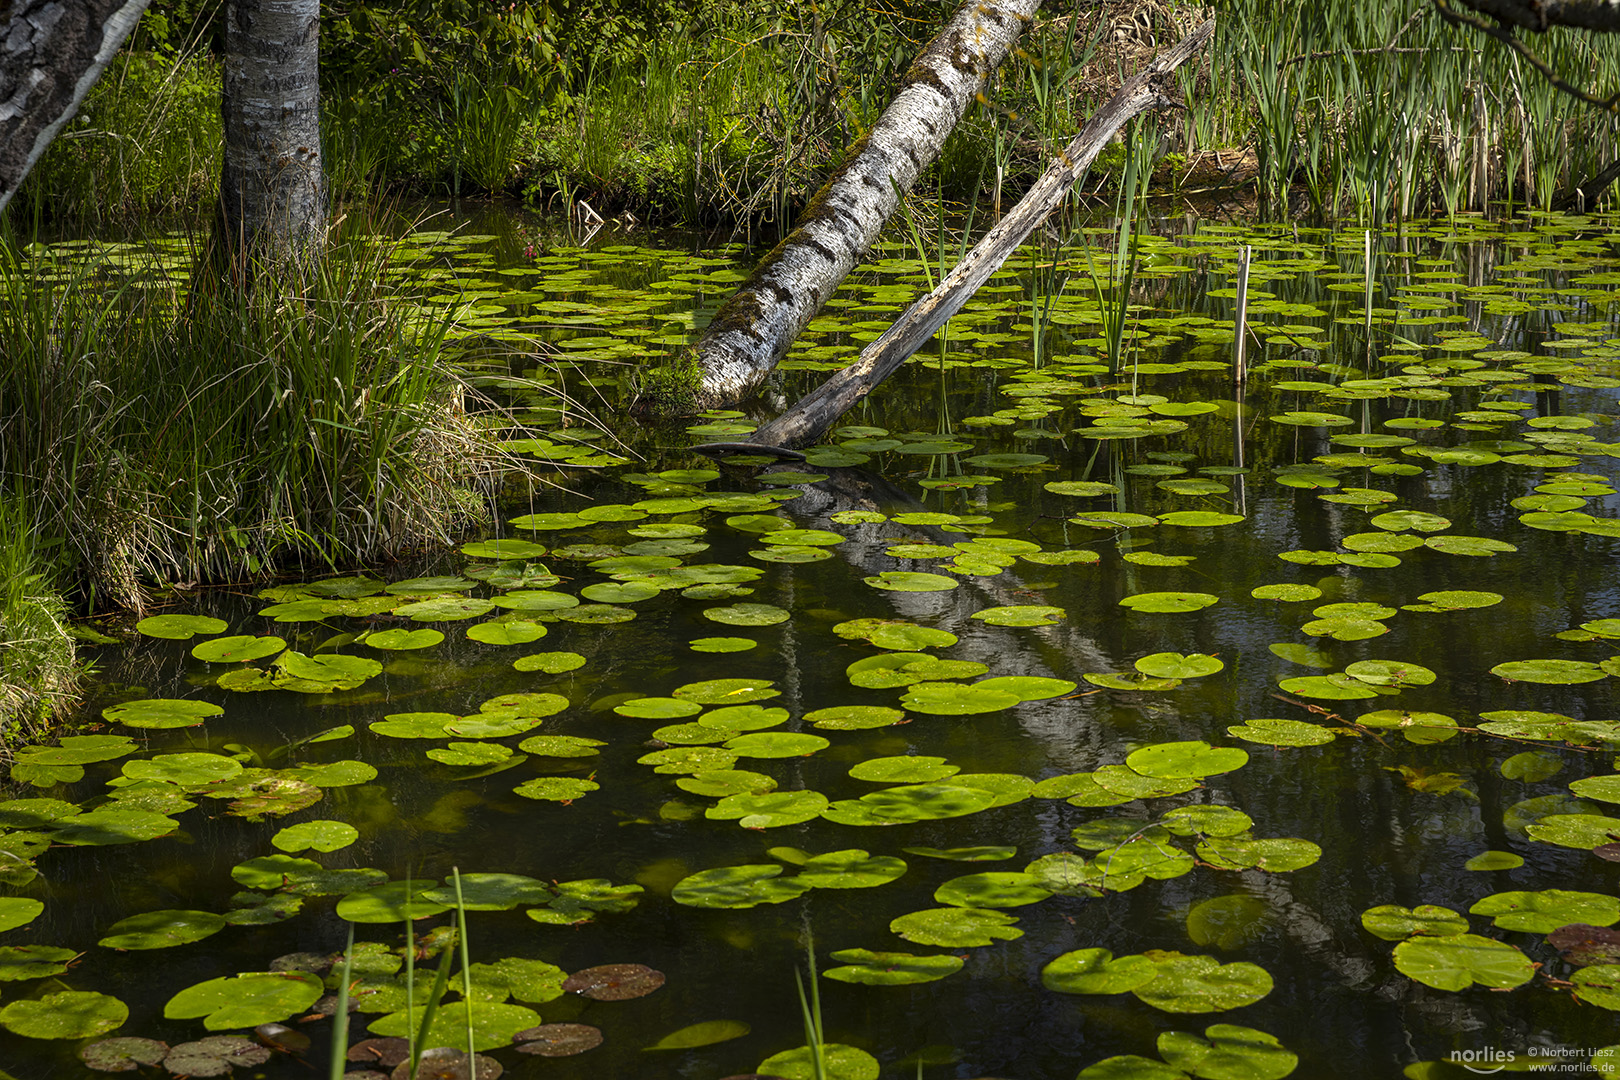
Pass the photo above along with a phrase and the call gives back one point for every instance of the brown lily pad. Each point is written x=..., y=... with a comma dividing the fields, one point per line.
x=216, y=1055
x=443, y=1063
x=614, y=982
x=1583, y=945
x=558, y=1040
x=1607, y=851
x=365, y=1074
x=123, y=1054
x=384, y=1052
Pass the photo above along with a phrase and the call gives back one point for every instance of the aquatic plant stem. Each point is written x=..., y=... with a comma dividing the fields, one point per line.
x=340, y=1015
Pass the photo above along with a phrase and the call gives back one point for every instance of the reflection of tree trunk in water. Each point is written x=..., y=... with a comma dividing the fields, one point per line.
x=1072, y=742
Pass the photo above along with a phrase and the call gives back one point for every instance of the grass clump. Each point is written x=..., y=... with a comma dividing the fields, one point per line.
x=37, y=670
x=169, y=432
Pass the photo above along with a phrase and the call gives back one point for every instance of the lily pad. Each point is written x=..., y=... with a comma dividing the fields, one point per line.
x=1395, y=923
x=1169, y=602
x=1097, y=971
x=1228, y=1052
x=891, y=968
x=956, y=927
x=161, y=713
x=1186, y=760
x=70, y=1014
x=1458, y=961
x=180, y=627
x=910, y=581
x=245, y=1000
x=162, y=929
x=838, y=1062
x=737, y=887
x=1199, y=984
x=1545, y=911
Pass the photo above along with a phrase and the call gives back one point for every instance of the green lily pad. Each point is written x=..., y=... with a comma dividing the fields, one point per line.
x=850, y=869
x=556, y=788
x=1020, y=615
x=110, y=825
x=1545, y=911
x=838, y=1062
x=18, y=962
x=515, y=632
x=727, y=691
x=1395, y=923
x=769, y=810
x=1274, y=854
x=1390, y=673
x=389, y=903
x=180, y=627
x=956, y=927
x=1198, y=984
x=904, y=769
x=245, y=1000
x=1169, y=602
x=1494, y=860
x=737, y=887
x=721, y=645
x=1458, y=961
x=401, y=640
x=706, y=1033
x=854, y=717
x=747, y=615
x=162, y=929
x=1171, y=665
x=1282, y=733
x=238, y=648
x=315, y=836
x=490, y=892
x=161, y=713
x=70, y=1014
x=18, y=911
x=1185, y=760
x=1286, y=592
x=891, y=968
x=493, y=1024
x=1228, y=1052
x=467, y=754
x=995, y=889
x=954, y=699
x=560, y=746
x=1549, y=672
x=909, y=581
x=1097, y=971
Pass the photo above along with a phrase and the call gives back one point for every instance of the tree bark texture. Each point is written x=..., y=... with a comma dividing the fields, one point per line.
x=753, y=330
x=52, y=52
x=272, y=193
x=818, y=410
x=1542, y=15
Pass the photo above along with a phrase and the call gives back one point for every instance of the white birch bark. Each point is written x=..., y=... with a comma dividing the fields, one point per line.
x=51, y=54
x=272, y=193
x=753, y=329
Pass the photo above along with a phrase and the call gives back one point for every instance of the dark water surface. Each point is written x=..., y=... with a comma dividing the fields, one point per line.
x=1465, y=318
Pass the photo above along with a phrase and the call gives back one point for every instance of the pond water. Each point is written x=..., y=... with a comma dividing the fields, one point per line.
x=1196, y=675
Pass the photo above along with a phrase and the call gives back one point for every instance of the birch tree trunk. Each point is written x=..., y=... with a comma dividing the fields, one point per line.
x=818, y=410
x=753, y=330
x=272, y=195
x=51, y=54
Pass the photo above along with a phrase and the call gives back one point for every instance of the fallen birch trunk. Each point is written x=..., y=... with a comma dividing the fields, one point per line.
x=753, y=330
x=818, y=410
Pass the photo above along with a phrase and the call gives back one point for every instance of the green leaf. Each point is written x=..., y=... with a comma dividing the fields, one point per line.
x=907, y=581
x=891, y=968
x=1395, y=923
x=71, y=1014
x=737, y=887
x=162, y=929
x=1194, y=759
x=1458, y=961
x=245, y=1000
x=995, y=889
x=1549, y=672
x=1228, y=1052
x=838, y=1062
x=1282, y=733
x=1097, y=971
x=161, y=713
x=180, y=627
x=1545, y=911
x=1169, y=602
x=238, y=649
x=1170, y=665
x=556, y=788
x=316, y=836
x=1199, y=984
x=706, y=1033
x=956, y=927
